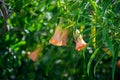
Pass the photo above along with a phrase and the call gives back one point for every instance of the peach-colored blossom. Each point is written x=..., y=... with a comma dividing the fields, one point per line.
x=56, y=39
x=64, y=36
x=80, y=43
x=33, y=55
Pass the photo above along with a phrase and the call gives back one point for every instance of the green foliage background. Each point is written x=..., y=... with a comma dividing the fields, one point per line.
x=32, y=23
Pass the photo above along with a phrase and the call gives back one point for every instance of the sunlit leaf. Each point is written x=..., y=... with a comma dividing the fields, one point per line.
x=18, y=44
x=90, y=60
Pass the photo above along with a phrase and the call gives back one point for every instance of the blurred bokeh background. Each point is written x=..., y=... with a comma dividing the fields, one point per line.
x=32, y=23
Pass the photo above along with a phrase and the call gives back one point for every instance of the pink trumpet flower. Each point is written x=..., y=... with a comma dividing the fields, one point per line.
x=56, y=39
x=60, y=37
x=80, y=43
x=64, y=36
x=33, y=55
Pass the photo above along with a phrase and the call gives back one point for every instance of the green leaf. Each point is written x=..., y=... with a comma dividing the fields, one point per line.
x=7, y=37
x=98, y=62
x=108, y=41
x=110, y=46
x=94, y=5
x=114, y=60
x=91, y=59
x=19, y=44
x=107, y=4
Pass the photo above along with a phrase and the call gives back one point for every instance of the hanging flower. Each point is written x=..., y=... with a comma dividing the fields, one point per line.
x=33, y=55
x=80, y=43
x=56, y=39
x=60, y=37
x=64, y=36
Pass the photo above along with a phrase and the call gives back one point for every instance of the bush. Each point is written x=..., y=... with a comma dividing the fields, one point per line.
x=32, y=23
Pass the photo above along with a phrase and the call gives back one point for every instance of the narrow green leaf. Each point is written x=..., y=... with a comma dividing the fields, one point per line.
x=110, y=46
x=18, y=44
x=107, y=4
x=98, y=62
x=114, y=60
x=108, y=41
x=91, y=59
x=94, y=4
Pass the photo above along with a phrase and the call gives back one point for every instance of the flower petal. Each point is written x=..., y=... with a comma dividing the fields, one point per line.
x=56, y=39
x=33, y=55
x=64, y=37
x=80, y=43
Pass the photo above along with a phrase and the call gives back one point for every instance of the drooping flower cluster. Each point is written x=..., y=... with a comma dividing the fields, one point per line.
x=60, y=38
